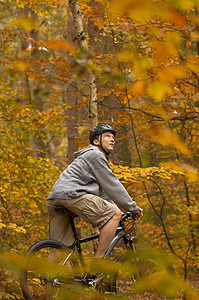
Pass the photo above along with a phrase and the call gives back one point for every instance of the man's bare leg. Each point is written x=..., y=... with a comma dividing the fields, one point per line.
x=107, y=234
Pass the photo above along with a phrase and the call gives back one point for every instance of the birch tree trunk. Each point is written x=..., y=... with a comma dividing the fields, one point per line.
x=91, y=80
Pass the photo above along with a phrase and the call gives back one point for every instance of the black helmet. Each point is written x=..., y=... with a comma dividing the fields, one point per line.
x=99, y=129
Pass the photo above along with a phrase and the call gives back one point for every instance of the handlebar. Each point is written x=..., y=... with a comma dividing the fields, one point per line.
x=127, y=216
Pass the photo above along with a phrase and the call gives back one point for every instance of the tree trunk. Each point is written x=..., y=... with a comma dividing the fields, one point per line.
x=91, y=80
x=32, y=93
x=72, y=100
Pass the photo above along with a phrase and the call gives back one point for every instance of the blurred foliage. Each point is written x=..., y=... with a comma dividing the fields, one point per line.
x=154, y=279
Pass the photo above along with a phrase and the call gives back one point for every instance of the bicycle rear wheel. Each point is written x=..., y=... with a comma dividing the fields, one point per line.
x=49, y=271
x=141, y=267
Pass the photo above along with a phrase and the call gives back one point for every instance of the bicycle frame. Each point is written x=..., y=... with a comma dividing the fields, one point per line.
x=120, y=233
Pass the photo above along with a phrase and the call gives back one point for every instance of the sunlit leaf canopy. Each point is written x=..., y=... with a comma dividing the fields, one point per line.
x=144, y=55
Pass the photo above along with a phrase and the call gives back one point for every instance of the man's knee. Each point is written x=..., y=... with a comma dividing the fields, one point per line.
x=117, y=214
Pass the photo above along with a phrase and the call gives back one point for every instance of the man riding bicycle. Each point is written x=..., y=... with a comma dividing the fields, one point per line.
x=89, y=189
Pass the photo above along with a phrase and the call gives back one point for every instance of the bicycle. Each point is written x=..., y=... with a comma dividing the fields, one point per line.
x=52, y=270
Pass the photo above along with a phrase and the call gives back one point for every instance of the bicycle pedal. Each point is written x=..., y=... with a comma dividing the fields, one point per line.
x=92, y=280
x=95, y=281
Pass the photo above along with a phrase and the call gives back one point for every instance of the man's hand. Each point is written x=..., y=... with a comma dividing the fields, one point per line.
x=136, y=216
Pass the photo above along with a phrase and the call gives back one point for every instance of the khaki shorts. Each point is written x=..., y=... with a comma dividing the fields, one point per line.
x=91, y=208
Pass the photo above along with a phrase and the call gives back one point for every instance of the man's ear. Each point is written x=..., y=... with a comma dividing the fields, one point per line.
x=96, y=142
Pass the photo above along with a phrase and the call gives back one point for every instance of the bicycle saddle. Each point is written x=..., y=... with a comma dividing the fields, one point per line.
x=61, y=209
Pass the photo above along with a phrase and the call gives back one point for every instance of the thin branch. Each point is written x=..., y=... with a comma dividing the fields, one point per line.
x=163, y=198
x=193, y=84
x=186, y=97
x=179, y=118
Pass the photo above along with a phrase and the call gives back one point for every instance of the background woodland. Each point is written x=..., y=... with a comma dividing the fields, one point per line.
x=68, y=65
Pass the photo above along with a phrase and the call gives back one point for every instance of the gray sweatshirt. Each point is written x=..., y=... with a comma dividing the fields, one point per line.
x=90, y=173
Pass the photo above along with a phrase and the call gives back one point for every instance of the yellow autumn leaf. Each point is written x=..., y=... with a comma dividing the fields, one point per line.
x=140, y=67
x=138, y=10
x=173, y=38
x=60, y=45
x=143, y=13
x=138, y=88
x=127, y=56
x=20, y=65
x=190, y=172
x=170, y=73
x=27, y=23
x=192, y=63
x=177, y=17
x=166, y=137
x=187, y=4
x=174, y=166
x=158, y=90
x=162, y=51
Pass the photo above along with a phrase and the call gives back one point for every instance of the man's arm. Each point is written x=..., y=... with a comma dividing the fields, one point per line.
x=113, y=187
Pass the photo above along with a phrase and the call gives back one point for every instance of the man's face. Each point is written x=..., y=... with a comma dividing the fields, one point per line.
x=108, y=141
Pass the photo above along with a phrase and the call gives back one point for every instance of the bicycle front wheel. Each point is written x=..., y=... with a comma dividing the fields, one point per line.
x=49, y=271
x=142, y=267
